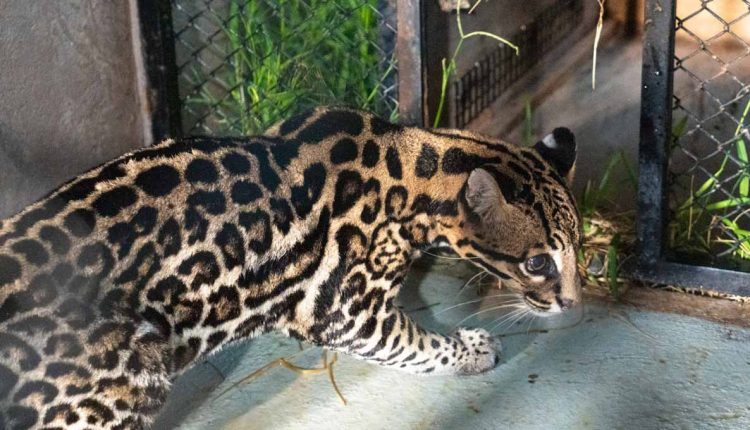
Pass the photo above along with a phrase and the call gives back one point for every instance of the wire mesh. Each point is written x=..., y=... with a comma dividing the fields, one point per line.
x=709, y=174
x=244, y=64
x=491, y=75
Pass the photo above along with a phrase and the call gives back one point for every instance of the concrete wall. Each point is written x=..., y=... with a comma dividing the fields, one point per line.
x=69, y=93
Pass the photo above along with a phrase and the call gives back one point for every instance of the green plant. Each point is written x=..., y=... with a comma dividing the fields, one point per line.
x=608, y=233
x=719, y=218
x=289, y=55
x=597, y=193
x=449, y=67
x=528, y=123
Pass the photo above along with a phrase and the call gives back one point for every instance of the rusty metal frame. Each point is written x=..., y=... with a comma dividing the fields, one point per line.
x=410, y=55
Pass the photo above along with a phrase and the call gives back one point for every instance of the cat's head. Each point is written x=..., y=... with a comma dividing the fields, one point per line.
x=522, y=224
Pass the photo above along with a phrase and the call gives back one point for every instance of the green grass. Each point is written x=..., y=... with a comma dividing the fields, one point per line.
x=286, y=56
x=449, y=65
x=608, y=233
x=596, y=195
x=528, y=123
x=709, y=221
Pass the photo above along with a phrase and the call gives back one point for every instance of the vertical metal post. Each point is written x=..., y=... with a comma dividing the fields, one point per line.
x=161, y=69
x=631, y=18
x=656, y=128
x=409, y=56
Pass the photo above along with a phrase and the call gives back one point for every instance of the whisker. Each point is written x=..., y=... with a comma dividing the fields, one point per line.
x=461, y=290
x=521, y=317
x=528, y=326
x=505, y=318
x=581, y=316
x=494, y=308
x=500, y=318
x=450, y=258
x=481, y=275
x=510, y=321
x=474, y=301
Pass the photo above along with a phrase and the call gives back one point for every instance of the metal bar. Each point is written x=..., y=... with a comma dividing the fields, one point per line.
x=409, y=55
x=655, y=139
x=656, y=127
x=685, y=275
x=161, y=70
x=631, y=18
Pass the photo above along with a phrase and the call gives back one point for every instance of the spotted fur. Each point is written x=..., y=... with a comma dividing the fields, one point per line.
x=129, y=273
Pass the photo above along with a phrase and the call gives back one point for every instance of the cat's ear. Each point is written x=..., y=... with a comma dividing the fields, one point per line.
x=483, y=195
x=559, y=149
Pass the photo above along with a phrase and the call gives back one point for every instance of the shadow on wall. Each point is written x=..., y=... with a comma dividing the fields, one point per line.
x=605, y=121
x=69, y=94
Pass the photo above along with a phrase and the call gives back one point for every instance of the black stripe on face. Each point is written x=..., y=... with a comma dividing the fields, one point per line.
x=533, y=299
x=491, y=269
x=497, y=256
x=539, y=209
x=557, y=289
x=558, y=239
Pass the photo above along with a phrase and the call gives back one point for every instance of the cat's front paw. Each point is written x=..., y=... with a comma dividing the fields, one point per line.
x=480, y=351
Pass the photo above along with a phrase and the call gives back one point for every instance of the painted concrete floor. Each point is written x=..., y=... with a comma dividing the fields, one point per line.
x=607, y=367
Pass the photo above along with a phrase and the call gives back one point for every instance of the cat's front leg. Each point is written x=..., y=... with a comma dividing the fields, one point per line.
x=391, y=339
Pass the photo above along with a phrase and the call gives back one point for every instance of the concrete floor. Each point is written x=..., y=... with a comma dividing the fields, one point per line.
x=607, y=367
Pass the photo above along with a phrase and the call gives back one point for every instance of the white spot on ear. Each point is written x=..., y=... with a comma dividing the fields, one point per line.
x=549, y=141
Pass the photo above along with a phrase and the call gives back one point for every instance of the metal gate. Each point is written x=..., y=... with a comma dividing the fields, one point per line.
x=694, y=184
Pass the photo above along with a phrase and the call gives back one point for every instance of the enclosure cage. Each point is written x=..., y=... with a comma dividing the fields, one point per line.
x=496, y=71
x=694, y=196
x=229, y=67
x=234, y=67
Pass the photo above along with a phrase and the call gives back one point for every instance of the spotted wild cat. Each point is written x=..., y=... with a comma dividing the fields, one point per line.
x=133, y=271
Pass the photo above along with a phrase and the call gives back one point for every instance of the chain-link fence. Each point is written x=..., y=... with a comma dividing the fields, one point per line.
x=694, y=198
x=244, y=64
x=709, y=180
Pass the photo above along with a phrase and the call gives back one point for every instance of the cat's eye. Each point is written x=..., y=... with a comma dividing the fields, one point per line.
x=538, y=264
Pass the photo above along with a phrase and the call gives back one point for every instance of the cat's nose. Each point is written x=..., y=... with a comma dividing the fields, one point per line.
x=567, y=303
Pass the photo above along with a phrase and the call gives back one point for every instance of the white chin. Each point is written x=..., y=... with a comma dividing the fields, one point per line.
x=554, y=309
